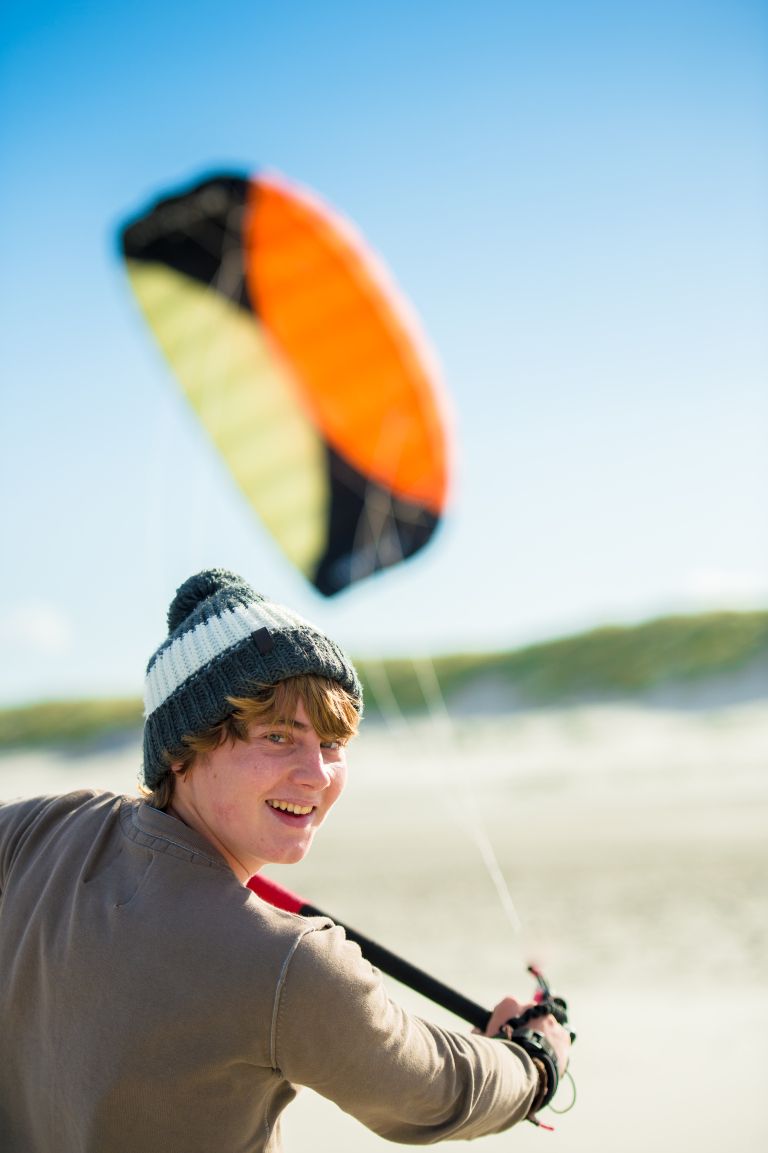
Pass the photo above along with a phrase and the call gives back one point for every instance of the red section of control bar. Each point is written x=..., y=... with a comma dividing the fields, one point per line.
x=276, y=895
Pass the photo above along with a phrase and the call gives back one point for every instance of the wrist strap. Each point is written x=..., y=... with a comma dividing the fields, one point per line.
x=541, y=1092
x=541, y=1052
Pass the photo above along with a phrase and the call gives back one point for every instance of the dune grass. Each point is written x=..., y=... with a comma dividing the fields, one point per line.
x=67, y=722
x=616, y=661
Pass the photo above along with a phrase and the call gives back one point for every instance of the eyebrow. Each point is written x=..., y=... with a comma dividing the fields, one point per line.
x=303, y=727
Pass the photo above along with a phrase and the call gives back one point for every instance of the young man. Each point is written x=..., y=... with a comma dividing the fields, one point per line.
x=148, y=999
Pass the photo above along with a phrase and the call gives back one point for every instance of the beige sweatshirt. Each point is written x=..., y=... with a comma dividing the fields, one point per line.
x=149, y=1002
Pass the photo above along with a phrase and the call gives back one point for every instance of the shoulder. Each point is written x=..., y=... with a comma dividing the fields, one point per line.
x=28, y=811
x=323, y=951
x=325, y=972
x=43, y=818
x=279, y=934
x=306, y=955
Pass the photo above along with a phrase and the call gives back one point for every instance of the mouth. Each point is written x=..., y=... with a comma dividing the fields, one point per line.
x=291, y=809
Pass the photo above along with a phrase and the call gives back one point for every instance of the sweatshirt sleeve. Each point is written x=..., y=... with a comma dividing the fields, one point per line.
x=336, y=1031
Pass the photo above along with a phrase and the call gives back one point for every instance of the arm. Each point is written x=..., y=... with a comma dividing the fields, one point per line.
x=336, y=1031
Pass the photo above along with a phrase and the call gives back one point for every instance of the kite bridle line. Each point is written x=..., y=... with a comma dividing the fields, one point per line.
x=443, y=725
x=403, y=971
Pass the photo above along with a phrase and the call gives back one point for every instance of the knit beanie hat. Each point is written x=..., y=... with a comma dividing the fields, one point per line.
x=223, y=640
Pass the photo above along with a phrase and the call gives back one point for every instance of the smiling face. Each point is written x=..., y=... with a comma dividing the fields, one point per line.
x=261, y=800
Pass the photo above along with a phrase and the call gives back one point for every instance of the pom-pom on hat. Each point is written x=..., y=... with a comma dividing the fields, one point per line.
x=223, y=640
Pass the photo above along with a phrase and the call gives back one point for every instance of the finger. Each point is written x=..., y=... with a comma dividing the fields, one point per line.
x=504, y=1011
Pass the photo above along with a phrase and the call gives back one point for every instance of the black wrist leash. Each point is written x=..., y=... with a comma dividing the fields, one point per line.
x=536, y=1044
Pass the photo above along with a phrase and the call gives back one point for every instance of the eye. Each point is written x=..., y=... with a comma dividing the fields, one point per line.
x=332, y=744
x=277, y=738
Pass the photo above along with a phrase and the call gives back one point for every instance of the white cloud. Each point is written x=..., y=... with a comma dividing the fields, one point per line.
x=36, y=626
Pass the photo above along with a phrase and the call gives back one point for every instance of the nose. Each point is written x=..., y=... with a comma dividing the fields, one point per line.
x=310, y=769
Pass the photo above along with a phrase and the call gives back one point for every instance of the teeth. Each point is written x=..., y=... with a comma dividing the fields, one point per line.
x=288, y=807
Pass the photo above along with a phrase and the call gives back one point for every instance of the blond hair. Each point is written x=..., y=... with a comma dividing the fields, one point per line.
x=331, y=710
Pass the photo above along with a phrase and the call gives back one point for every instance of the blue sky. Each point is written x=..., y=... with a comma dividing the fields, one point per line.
x=572, y=196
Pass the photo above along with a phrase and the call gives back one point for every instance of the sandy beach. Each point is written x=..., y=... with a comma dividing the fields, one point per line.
x=634, y=843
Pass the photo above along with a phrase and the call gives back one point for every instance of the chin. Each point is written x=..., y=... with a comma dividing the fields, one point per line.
x=293, y=858
x=290, y=856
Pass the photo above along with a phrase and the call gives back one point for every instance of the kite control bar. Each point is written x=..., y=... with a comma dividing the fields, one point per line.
x=389, y=963
x=403, y=971
x=545, y=1003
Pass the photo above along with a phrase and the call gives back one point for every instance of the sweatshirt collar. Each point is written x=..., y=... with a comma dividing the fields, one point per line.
x=156, y=823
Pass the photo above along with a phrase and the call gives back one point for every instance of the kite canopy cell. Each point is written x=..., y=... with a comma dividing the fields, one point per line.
x=303, y=365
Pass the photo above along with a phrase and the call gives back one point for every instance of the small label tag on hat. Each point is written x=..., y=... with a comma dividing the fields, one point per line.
x=264, y=642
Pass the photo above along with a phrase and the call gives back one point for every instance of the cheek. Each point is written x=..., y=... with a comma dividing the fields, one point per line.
x=340, y=780
x=224, y=803
x=228, y=792
x=222, y=811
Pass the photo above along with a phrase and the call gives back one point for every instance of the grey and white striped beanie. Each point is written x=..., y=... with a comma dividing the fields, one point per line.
x=223, y=640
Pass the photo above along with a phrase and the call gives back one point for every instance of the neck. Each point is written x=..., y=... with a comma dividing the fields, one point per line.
x=188, y=818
